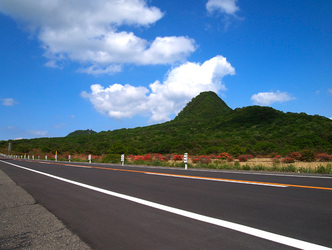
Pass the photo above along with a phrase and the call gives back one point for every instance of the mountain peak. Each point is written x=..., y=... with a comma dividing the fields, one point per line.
x=82, y=132
x=206, y=105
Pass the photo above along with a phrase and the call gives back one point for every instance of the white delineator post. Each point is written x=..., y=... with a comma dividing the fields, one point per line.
x=122, y=159
x=185, y=159
x=69, y=158
x=89, y=158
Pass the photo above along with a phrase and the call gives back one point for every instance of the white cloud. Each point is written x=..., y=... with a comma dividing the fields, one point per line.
x=268, y=98
x=88, y=32
x=118, y=101
x=8, y=102
x=162, y=99
x=228, y=7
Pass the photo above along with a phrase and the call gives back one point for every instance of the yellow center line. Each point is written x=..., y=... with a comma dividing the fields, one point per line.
x=199, y=177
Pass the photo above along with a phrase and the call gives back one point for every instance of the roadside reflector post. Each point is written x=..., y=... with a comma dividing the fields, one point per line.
x=33, y=157
x=56, y=155
x=89, y=158
x=46, y=157
x=185, y=159
x=122, y=159
x=28, y=157
x=69, y=158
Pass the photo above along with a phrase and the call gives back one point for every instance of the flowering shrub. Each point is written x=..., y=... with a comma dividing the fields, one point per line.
x=324, y=157
x=146, y=157
x=223, y=156
x=296, y=155
x=288, y=160
x=242, y=158
x=308, y=155
x=178, y=158
x=203, y=159
x=214, y=157
x=229, y=158
x=277, y=158
x=158, y=157
x=250, y=157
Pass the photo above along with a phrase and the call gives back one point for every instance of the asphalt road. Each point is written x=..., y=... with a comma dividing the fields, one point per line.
x=135, y=207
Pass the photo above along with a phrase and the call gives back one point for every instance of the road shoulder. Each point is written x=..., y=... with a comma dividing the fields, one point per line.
x=26, y=224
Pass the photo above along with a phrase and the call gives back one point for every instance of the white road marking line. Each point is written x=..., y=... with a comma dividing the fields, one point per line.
x=215, y=179
x=218, y=222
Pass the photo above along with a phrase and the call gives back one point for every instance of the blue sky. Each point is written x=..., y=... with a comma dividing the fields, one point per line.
x=108, y=64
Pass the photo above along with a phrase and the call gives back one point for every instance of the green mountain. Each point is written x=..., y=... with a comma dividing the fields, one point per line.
x=205, y=106
x=205, y=126
x=82, y=132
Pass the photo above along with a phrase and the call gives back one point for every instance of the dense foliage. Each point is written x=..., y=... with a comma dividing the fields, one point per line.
x=205, y=126
x=82, y=132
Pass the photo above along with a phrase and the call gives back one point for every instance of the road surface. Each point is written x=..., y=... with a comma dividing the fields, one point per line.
x=136, y=207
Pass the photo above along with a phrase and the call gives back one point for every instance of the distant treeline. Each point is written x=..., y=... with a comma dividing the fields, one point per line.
x=205, y=126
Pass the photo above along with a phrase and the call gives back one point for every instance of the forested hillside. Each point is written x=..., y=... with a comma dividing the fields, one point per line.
x=205, y=126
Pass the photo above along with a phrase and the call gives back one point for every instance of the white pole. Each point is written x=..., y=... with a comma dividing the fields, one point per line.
x=185, y=159
x=122, y=159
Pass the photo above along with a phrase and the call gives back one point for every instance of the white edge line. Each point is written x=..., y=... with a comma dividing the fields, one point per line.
x=218, y=222
x=210, y=179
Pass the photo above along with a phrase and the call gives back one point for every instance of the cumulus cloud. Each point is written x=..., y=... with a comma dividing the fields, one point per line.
x=88, y=32
x=228, y=7
x=8, y=102
x=162, y=98
x=268, y=98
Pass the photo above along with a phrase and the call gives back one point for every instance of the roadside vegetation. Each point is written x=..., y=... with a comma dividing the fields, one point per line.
x=203, y=129
x=295, y=162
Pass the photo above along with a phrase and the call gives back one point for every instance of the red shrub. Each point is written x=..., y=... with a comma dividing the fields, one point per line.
x=296, y=155
x=288, y=160
x=178, y=157
x=224, y=156
x=195, y=160
x=324, y=157
x=277, y=158
x=242, y=158
x=203, y=159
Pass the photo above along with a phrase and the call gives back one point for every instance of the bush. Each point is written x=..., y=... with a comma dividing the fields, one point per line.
x=111, y=158
x=276, y=159
x=324, y=157
x=242, y=158
x=308, y=155
x=288, y=160
x=178, y=158
x=296, y=155
x=203, y=159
